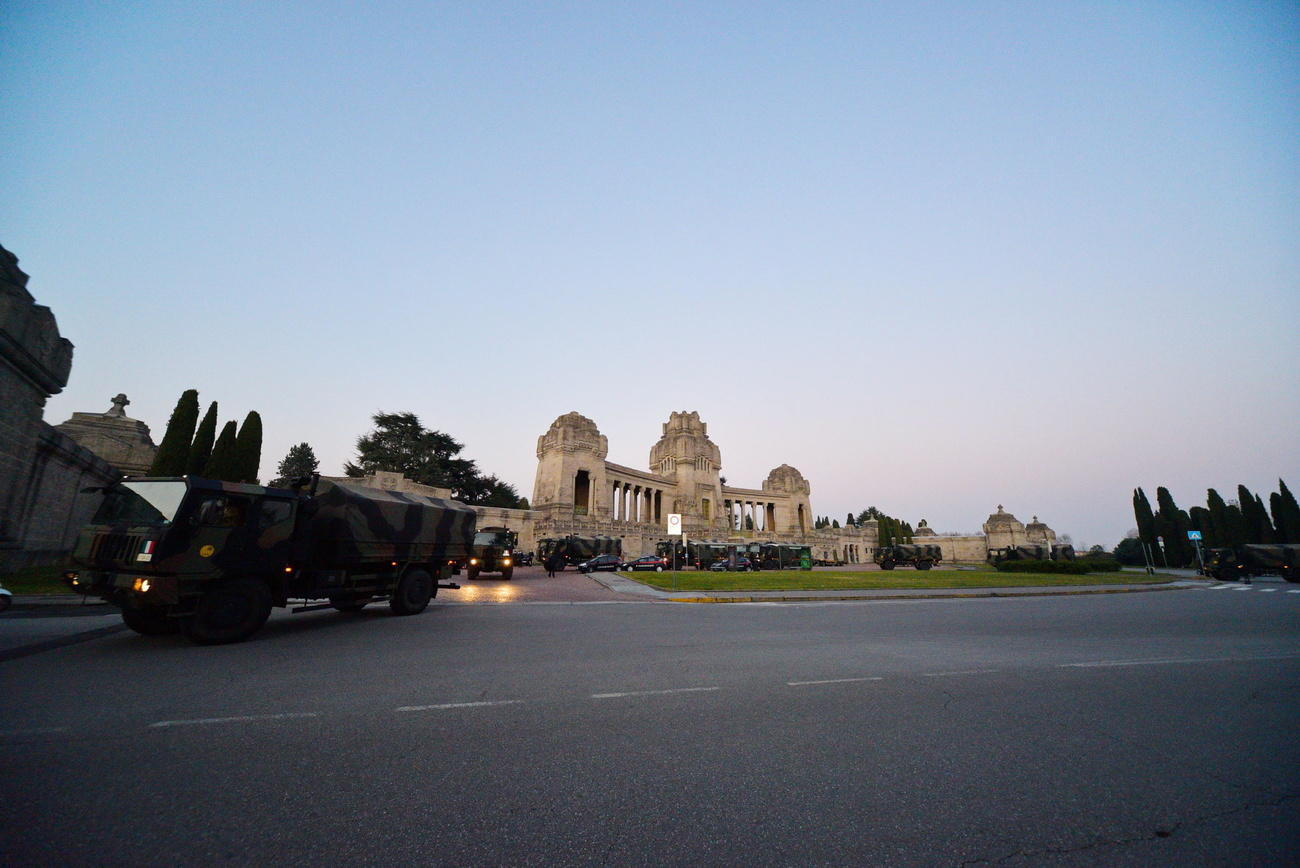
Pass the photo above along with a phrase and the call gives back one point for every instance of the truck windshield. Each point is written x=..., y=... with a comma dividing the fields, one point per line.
x=489, y=539
x=140, y=503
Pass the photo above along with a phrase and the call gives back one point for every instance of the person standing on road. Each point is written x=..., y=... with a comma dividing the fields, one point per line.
x=551, y=564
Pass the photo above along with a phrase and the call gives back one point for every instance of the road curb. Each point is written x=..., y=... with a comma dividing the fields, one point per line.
x=875, y=598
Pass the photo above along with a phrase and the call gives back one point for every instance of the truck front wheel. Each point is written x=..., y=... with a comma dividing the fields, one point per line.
x=924, y=565
x=507, y=573
x=414, y=591
x=886, y=565
x=152, y=621
x=229, y=611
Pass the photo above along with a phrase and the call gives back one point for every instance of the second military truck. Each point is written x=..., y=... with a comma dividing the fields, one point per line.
x=211, y=558
x=494, y=549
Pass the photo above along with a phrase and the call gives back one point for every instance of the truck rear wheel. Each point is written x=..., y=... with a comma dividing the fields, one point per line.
x=507, y=573
x=229, y=611
x=414, y=591
x=152, y=621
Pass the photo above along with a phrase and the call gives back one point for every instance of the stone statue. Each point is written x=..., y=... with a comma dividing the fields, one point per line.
x=118, y=409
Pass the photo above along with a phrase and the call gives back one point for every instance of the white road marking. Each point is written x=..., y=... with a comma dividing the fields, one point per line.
x=1165, y=660
x=959, y=672
x=1243, y=588
x=1268, y=590
x=1222, y=587
x=1293, y=592
x=652, y=692
x=246, y=718
x=443, y=705
x=43, y=731
x=834, y=681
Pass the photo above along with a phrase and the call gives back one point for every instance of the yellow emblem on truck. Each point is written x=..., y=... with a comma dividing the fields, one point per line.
x=207, y=551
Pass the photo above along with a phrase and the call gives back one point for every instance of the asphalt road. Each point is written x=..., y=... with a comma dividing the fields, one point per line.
x=1141, y=729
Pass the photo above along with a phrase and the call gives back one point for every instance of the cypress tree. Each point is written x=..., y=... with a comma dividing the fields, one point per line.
x=203, y=440
x=248, y=448
x=174, y=451
x=1218, y=517
x=1146, y=520
x=1258, y=528
x=221, y=464
x=1174, y=524
x=1286, y=514
x=1202, y=521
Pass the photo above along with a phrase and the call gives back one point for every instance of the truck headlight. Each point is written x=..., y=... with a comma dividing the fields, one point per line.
x=142, y=585
x=473, y=562
x=505, y=562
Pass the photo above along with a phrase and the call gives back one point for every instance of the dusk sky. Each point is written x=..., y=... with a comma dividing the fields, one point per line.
x=937, y=256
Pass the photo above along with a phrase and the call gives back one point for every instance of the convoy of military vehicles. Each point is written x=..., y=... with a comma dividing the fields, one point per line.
x=211, y=559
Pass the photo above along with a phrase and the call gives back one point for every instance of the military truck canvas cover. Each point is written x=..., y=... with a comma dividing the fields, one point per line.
x=348, y=525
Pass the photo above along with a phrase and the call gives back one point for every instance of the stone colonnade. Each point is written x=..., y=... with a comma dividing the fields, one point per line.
x=755, y=515
x=634, y=502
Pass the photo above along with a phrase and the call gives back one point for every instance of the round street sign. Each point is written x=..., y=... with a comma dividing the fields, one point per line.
x=674, y=523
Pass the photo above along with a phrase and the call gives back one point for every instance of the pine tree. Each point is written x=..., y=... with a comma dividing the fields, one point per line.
x=201, y=448
x=222, y=463
x=248, y=448
x=298, y=463
x=1146, y=520
x=174, y=451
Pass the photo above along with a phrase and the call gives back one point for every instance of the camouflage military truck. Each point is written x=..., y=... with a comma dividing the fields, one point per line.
x=922, y=556
x=576, y=549
x=784, y=556
x=1062, y=552
x=493, y=552
x=1238, y=562
x=210, y=558
x=1020, y=553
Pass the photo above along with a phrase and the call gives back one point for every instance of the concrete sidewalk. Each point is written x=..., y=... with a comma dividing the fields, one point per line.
x=622, y=585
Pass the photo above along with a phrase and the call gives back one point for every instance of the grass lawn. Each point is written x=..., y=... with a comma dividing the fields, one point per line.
x=37, y=580
x=836, y=580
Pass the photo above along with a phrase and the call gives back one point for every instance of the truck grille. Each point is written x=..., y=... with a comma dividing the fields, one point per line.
x=121, y=547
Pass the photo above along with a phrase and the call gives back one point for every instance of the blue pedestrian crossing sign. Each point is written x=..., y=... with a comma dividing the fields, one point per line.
x=1193, y=534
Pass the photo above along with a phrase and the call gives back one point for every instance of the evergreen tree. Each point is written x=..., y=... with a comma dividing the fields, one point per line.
x=222, y=464
x=1146, y=520
x=849, y=522
x=1202, y=521
x=1258, y=527
x=1218, y=517
x=1286, y=514
x=1173, y=525
x=299, y=462
x=203, y=440
x=836, y=524
x=248, y=448
x=174, y=451
x=400, y=443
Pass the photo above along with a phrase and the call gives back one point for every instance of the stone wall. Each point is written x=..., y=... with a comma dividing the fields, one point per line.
x=42, y=472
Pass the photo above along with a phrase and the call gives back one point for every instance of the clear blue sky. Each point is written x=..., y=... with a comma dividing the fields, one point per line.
x=938, y=256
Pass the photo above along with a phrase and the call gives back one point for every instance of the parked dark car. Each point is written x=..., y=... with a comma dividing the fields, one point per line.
x=649, y=562
x=601, y=562
x=742, y=565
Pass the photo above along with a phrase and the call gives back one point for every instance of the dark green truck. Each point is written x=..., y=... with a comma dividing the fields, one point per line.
x=211, y=558
x=494, y=549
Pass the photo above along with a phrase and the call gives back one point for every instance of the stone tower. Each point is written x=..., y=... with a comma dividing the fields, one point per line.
x=571, y=469
x=1003, y=530
x=796, y=517
x=686, y=455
